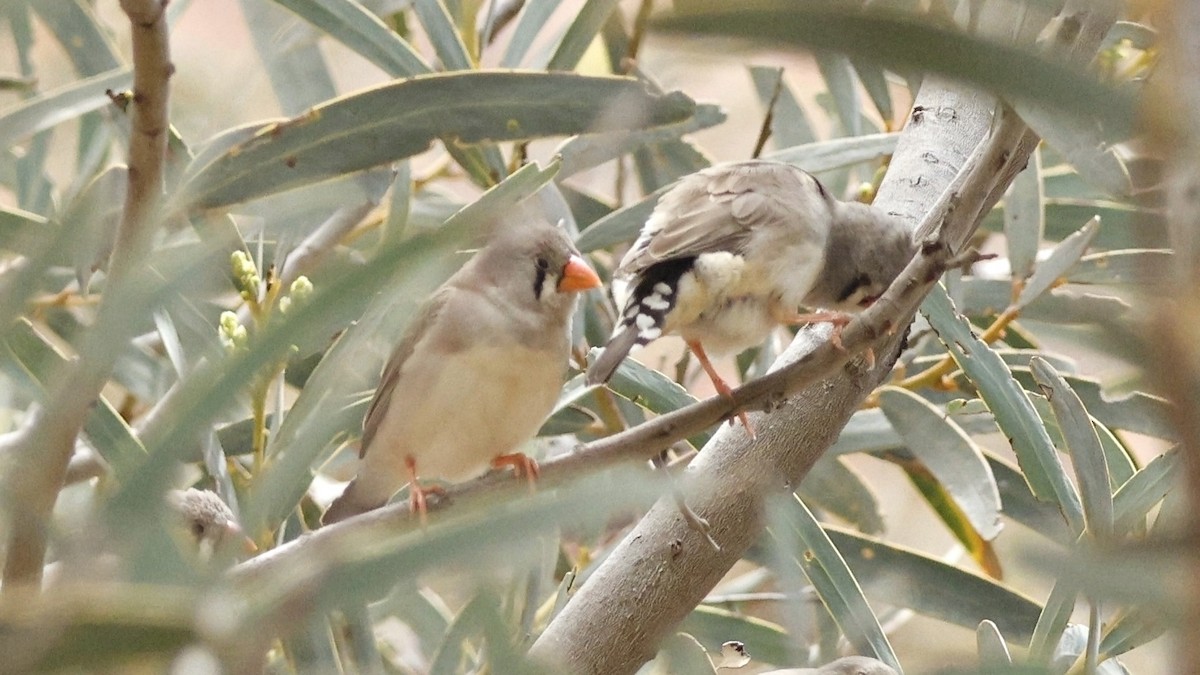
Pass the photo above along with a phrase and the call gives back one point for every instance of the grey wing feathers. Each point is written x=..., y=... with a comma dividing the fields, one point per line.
x=419, y=327
x=714, y=210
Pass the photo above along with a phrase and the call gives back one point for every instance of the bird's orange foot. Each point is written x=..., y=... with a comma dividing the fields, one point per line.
x=418, y=501
x=522, y=465
x=719, y=384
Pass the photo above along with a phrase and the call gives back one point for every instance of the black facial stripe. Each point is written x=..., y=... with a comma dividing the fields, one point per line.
x=538, y=282
x=858, y=282
x=647, y=300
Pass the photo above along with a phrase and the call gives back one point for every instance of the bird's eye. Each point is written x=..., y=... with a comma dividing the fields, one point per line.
x=543, y=264
x=198, y=529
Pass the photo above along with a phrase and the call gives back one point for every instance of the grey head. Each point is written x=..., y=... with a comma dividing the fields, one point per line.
x=534, y=270
x=867, y=249
x=207, y=519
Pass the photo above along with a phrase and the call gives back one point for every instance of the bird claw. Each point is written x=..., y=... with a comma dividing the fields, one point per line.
x=522, y=465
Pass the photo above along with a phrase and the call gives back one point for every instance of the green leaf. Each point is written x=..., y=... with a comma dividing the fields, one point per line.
x=589, y=150
x=20, y=230
x=1130, y=266
x=1068, y=252
x=789, y=125
x=843, y=87
x=874, y=80
x=580, y=33
x=1133, y=501
x=357, y=28
x=1009, y=404
x=443, y=35
x=838, y=489
x=533, y=16
x=49, y=109
x=990, y=645
x=1053, y=620
x=1025, y=217
x=1084, y=146
x=833, y=580
x=299, y=76
x=949, y=454
x=1136, y=411
x=400, y=119
x=713, y=626
x=680, y=653
x=77, y=29
x=903, y=577
x=901, y=41
x=838, y=152
x=39, y=360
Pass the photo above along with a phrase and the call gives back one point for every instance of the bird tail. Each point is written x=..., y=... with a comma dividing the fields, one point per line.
x=352, y=502
x=601, y=370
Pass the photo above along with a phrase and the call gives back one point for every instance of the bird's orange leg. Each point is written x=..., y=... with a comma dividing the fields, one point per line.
x=839, y=321
x=522, y=465
x=416, y=494
x=719, y=383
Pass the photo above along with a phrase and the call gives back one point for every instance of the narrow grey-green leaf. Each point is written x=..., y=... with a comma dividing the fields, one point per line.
x=620, y=225
x=901, y=41
x=833, y=580
x=680, y=653
x=789, y=124
x=299, y=75
x=443, y=35
x=1129, y=266
x=1068, y=252
x=20, y=229
x=1025, y=217
x=104, y=428
x=400, y=119
x=837, y=152
x=1133, y=501
x=81, y=35
x=49, y=109
x=1083, y=144
x=1132, y=628
x=1053, y=620
x=359, y=29
x=533, y=16
x=589, y=150
x=843, y=87
x=712, y=626
x=580, y=33
x=990, y=645
x=949, y=454
x=874, y=80
x=834, y=487
x=1087, y=456
x=1009, y=404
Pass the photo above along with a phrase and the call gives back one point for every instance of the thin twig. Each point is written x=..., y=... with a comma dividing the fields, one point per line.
x=768, y=123
x=44, y=454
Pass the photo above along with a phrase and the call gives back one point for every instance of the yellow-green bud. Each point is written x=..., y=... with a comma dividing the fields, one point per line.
x=284, y=303
x=231, y=333
x=301, y=289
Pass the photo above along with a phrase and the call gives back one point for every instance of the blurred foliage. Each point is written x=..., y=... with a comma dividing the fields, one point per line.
x=1009, y=411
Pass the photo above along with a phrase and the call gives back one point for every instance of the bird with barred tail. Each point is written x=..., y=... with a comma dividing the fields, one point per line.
x=735, y=250
x=477, y=372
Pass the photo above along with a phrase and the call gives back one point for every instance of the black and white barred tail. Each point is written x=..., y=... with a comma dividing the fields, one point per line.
x=654, y=296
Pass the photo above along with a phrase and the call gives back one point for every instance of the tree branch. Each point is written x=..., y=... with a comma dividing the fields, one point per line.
x=663, y=569
x=45, y=451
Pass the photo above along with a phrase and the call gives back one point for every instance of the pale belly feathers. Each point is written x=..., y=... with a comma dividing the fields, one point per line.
x=729, y=309
x=483, y=403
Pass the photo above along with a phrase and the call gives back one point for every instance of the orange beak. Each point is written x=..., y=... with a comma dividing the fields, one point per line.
x=577, y=276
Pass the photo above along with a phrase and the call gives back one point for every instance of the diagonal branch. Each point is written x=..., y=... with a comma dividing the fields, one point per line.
x=45, y=451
